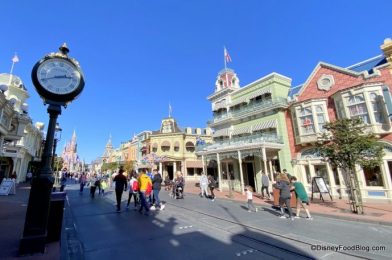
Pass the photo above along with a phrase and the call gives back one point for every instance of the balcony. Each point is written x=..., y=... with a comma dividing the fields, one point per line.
x=241, y=142
x=249, y=110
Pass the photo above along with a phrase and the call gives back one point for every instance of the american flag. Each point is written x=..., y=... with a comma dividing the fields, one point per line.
x=15, y=59
x=227, y=55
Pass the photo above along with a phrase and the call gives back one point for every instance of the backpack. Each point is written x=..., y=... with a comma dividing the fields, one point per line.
x=212, y=183
x=135, y=186
x=97, y=183
x=149, y=188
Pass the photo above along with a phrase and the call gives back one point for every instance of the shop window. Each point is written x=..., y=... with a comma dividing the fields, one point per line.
x=357, y=108
x=199, y=171
x=308, y=176
x=373, y=176
x=191, y=171
x=321, y=171
x=336, y=175
x=377, y=109
x=306, y=121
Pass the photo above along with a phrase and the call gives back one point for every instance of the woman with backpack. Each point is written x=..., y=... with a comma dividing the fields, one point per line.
x=133, y=190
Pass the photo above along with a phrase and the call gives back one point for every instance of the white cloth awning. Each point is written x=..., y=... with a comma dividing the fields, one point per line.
x=242, y=130
x=264, y=125
x=221, y=132
x=219, y=106
x=260, y=92
x=239, y=101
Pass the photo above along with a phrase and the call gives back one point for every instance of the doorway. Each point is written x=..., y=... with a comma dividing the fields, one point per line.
x=169, y=169
x=250, y=174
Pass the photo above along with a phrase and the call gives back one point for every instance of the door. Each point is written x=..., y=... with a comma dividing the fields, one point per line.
x=251, y=175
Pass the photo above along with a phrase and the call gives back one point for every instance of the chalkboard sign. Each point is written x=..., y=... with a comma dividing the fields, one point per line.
x=319, y=186
x=7, y=186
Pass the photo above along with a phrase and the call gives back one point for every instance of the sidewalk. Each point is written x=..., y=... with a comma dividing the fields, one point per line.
x=12, y=217
x=378, y=213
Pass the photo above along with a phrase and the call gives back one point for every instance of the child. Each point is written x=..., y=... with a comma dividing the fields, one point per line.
x=133, y=191
x=104, y=185
x=249, y=196
x=302, y=197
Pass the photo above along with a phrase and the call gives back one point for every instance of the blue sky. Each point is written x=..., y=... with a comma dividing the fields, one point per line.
x=139, y=55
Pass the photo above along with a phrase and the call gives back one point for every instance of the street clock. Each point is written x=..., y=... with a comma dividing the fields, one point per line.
x=58, y=78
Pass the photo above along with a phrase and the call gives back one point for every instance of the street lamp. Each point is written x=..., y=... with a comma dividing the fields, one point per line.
x=57, y=138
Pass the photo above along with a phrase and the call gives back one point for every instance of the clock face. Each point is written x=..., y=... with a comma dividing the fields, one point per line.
x=58, y=76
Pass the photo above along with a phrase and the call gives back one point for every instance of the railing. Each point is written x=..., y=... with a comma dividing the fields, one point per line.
x=250, y=139
x=252, y=107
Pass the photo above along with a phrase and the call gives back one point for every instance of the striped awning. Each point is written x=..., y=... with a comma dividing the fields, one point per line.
x=221, y=132
x=165, y=144
x=264, y=125
x=219, y=105
x=239, y=101
x=242, y=130
x=260, y=92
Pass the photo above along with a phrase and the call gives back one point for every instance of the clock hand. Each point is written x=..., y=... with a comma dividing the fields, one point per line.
x=59, y=77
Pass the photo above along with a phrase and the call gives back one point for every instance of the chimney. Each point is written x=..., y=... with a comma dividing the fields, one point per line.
x=387, y=49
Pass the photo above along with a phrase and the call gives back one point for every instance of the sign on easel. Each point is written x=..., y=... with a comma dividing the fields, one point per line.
x=319, y=186
x=7, y=187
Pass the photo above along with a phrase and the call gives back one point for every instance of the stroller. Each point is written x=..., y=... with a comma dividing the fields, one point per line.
x=178, y=191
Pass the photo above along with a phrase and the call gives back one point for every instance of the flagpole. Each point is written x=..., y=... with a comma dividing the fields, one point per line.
x=14, y=60
x=224, y=58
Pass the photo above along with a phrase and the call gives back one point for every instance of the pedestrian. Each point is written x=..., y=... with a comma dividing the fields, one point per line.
x=211, y=185
x=156, y=188
x=249, y=196
x=288, y=174
x=120, y=187
x=104, y=185
x=145, y=184
x=82, y=181
x=178, y=186
x=204, y=185
x=133, y=190
x=95, y=183
x=264, y=185
x=29, y=176
x=283, y=185
x=63, y=182
x=302, y=197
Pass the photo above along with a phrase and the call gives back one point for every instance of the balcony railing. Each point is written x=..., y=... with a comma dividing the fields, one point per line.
x=252, y=107
x=236, y=141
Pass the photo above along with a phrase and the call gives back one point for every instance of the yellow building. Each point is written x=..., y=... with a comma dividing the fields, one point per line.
x=171, y=149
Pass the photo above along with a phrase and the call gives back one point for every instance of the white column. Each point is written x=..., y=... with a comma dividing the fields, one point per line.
x=241, y=173
x=204, y=164
x=174, y=168
x=160, y=170
x=331, y=179
x=271, y=171
x=219, y=172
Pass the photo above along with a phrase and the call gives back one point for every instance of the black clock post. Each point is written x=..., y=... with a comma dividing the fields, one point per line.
x=57, y=85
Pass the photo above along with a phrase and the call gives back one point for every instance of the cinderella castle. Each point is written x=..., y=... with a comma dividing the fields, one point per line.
x=70, y=156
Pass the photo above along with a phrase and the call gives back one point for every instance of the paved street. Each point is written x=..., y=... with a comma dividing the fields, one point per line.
x=196, y=228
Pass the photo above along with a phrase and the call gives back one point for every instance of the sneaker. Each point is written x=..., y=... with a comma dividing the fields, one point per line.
x=309, y=218
x=292, y=218
x=296, y=217
x=213, y=200
x=256, y=209
x=152, y=208
x=162, y=207
x=282, y=217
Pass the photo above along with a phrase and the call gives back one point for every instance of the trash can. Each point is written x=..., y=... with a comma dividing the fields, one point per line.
x=55, y=221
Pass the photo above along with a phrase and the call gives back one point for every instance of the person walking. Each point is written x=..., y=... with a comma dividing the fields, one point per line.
x=156, y=188
x=104, y=185
x=145, y=184
x=204, y=185
x=249, y=197
x=82, y=181
x=63, y=182
x=93, y=185
x=133, y=190
x=302, y=197
x=211, y=185
x=120, y=187
x=264, y=185
x=284, y=198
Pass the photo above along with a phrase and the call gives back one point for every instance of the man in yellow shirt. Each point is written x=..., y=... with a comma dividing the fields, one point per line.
x=145, y=187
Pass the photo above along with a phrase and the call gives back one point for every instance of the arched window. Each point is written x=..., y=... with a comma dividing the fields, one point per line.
x=190, y=147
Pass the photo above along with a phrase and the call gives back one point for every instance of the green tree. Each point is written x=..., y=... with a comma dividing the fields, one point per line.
x=345, y=144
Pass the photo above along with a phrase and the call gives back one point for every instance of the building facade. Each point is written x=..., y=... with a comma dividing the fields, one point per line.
x=250, y=134
x=20, y=140
x=332, y=92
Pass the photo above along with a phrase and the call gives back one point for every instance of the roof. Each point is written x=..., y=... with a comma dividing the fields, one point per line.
x=294, y=90
x=369, y=64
